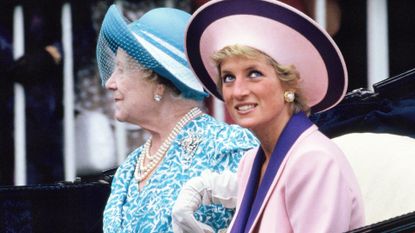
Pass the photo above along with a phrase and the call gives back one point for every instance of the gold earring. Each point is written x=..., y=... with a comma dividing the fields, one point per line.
x=289, y=96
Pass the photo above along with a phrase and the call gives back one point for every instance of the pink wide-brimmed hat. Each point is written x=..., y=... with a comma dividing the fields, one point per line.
x=287, y=35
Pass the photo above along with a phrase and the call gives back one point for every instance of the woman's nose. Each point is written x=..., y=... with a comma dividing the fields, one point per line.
x=240, y=88
x=110, y=83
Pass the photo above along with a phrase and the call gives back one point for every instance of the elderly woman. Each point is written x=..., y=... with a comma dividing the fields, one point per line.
x=144, y=66
x=272, y=65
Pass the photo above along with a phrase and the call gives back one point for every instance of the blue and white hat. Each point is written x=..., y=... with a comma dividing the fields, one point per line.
x=155, y=41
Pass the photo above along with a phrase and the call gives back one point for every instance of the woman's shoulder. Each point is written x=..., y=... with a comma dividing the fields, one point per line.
x=223, y=144
x=316, y=151
x=314, y=140
x=218, y=129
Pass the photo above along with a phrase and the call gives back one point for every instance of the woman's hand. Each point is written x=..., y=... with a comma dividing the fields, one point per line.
x=209, y=188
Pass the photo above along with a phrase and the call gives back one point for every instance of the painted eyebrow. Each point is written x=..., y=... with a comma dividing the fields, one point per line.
x=249, y=68
x=222, y=72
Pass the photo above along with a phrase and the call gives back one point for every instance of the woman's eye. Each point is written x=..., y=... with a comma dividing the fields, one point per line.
x=227, y=78
x=255, y=74
x=119, y=69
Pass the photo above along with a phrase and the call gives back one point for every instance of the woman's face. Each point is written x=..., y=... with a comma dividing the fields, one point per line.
x=252, y=92
x=132, y=92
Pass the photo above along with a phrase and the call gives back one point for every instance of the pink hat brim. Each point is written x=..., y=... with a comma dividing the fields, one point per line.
x=284, y=33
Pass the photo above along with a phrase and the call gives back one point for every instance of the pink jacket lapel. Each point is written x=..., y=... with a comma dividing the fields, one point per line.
x=255, y=199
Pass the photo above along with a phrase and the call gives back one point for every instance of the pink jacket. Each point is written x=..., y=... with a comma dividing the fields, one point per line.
x=314, y=190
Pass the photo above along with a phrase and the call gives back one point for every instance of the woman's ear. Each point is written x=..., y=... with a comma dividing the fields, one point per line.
x=160, y=89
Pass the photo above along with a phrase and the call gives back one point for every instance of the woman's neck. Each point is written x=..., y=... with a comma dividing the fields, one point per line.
x=165, y=120
x=270, y=133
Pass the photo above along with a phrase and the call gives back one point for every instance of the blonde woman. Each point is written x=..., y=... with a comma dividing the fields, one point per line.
x=272, y=65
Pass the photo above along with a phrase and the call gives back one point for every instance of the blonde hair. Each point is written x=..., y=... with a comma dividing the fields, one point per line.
x=288, y=75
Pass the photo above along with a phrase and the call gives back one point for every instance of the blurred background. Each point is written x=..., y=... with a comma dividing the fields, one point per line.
x=56, y=119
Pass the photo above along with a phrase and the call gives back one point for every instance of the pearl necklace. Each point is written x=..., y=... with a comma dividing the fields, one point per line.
x=142, y=171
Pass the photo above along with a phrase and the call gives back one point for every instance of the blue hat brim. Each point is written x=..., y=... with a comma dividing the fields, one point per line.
x=138, y=41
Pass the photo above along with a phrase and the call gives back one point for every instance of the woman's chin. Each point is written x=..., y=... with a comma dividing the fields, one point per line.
x=120, y=117
x=246, y=123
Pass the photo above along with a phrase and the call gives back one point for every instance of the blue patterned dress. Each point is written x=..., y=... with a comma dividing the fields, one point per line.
x=203, y=143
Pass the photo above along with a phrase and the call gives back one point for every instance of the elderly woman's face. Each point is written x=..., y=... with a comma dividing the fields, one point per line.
x=132, y=92
x=252, y=92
